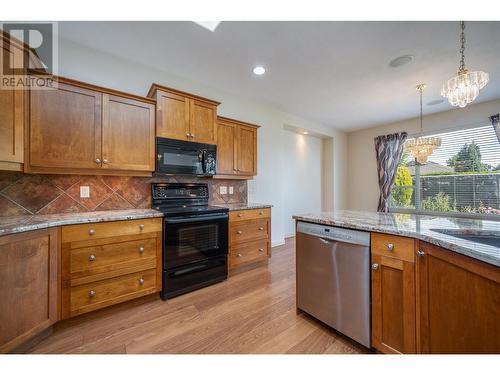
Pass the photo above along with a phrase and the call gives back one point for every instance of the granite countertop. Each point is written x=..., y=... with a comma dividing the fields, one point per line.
x=437, y=230
x=17, y=224
x=243, y=206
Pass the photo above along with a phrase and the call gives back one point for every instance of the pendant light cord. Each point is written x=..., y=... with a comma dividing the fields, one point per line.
x=462, y=46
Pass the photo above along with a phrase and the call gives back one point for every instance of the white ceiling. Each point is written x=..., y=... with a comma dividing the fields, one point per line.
x=336, y=73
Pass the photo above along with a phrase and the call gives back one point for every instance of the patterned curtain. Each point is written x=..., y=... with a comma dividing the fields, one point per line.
x=495, y=119
x=389, y=149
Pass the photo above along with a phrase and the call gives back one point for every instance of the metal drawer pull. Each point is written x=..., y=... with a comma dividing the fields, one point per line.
x=239, y=255
x=188, y=135
x=261, y=228
x=192, y=135
x=239, y=232
x=390, y=246
x=91, y=257
x=141, y=281
x=92, y=294
x=375, y=266
x=324, y=241
x=239, y=215
x=261, y=213
x=98, y=161
x=141, y=249
x=141, y=226
x=261, y=250
x=91, y=232
x=105, y=161
x=420, y=253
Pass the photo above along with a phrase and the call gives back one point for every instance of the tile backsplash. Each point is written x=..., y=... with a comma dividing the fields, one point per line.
x=25, y=194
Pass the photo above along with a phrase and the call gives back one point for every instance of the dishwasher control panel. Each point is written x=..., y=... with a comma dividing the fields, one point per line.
x=334, y=233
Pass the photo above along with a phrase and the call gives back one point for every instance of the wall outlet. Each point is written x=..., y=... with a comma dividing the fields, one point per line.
x=231, y=190
x=84, y=191
x=223, y=190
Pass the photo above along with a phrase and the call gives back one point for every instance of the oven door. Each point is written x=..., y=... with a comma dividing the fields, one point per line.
x=194, y=238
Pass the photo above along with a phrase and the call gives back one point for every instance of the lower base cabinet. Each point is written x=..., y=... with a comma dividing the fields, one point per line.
x=29, y=285
x=458, y=303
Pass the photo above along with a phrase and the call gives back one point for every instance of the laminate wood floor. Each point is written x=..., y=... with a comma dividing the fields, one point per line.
x=251, y=312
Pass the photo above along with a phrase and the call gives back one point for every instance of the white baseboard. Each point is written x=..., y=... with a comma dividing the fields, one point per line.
x=290, y=235
x=277, y=243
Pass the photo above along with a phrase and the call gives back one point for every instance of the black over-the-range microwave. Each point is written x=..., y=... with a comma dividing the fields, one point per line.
x=185, y=158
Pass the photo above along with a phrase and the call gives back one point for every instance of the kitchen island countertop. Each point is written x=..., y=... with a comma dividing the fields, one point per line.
x=438, y=230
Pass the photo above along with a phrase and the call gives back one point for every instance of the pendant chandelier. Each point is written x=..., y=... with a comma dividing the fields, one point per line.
x=464, y=88
x=422, y=147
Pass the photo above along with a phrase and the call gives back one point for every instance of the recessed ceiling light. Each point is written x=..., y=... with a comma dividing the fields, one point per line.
x=305, y=133
x=209, y=25
x=401, y=60
x=435, y=102
x=259, y=70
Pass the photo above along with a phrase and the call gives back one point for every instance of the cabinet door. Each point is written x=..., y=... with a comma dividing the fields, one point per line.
x=247, y=150
x=11, y=113
x=393, y=305
x=203, y=123
x=128, y=134
x=65, y=127
x=458, y=303
x=28, y=276
x=173, y=116
x=226, y=148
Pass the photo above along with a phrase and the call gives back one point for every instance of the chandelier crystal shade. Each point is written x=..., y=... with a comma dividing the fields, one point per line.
x=421, y=147
x=463, y=88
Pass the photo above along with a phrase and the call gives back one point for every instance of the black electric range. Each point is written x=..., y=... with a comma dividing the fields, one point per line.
x=195, y=237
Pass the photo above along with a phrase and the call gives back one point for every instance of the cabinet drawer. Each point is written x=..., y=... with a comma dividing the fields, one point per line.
x=102, y=258
x=259, y=213
x=249, y=230
x=249, y=252
x=93, y=296
x=393, y=246
x=83, y=232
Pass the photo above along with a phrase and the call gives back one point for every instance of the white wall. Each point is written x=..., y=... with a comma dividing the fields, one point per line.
x=274, y=143
x=362, y=166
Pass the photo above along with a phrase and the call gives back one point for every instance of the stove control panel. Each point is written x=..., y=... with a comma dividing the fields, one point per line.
x=179, y=191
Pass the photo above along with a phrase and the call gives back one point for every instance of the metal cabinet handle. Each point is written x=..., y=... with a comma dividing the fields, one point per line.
x=141, y=249
x=192, y=135
x=240, y=215
x=324, y=241
x=159, y=156
x=261, y=213
x=390, y=246
x=91, y=257
x=105, y=161
x=91, y=232
x=239, y=232
x=420, y=253
x=92, y=294
x=188, y=135
x=261, y=250
x=98, y=161
x=141, y=281
x=239, y=255
x=141, y=226
x=375, y=266
x=261, y=228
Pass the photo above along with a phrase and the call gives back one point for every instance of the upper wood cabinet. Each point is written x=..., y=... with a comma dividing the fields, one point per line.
x=184, y=116
x=80, y=128
x=29, y=284
x=236, y=148
x=393, y=294
x=458, y=303
x=12, y=113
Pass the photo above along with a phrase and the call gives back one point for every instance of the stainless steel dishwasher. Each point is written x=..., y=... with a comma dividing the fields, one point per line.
x=333, y=277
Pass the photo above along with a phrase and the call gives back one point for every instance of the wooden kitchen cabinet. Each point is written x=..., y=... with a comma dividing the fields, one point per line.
x=236, y=149
x=84, y=129
x=12, y=110
x=103, y=264
x=184, y=116
x=29, y=285
x=393, y=294
x=249, y=237
x=458, y=303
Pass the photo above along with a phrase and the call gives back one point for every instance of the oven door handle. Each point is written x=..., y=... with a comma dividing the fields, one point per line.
x=193, y=219
x=192, y=269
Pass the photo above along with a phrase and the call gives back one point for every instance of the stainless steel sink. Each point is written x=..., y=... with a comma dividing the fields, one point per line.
x=486, y=238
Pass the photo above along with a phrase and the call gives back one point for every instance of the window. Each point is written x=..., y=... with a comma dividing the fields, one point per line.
x=461, y=178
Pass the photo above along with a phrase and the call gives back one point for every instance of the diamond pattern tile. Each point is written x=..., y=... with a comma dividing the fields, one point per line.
x=32, y=192
x=99, y=192
x=8, y=208
x=62, y=204
x=114, y=202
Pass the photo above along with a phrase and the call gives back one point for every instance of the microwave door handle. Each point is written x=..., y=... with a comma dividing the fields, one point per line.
x=204, y=161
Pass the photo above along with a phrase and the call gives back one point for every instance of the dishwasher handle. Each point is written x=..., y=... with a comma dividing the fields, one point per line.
x=323, y=240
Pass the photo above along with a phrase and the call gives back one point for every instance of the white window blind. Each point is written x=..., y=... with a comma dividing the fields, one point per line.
x=461, y=178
